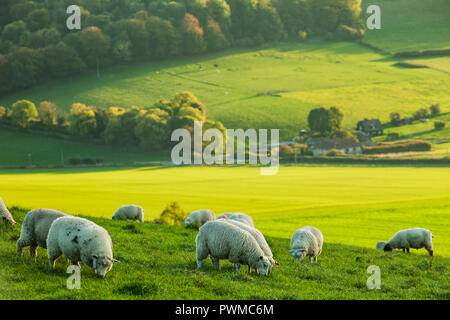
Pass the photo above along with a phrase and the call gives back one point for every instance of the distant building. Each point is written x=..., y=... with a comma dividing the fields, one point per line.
x=322, y=145
x=372, y=127
x=364, y=138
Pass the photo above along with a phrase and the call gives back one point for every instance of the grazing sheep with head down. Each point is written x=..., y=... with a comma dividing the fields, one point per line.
x=35, y=229
x=242, y=217
x=130, y=212
x=224, y=215
x=199, y=217
x=80, y=240
x=259, y=237
x=223, y=240
x=5, y=215
x=410, y=238
x=306, y=241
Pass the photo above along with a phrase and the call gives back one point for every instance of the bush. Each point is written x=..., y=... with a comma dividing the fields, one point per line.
x=398, y=147
x=421, y=114
x=334, y=153
x=435, y=109
x=394, y=116
x=439, y=125
x=348, y=33
x=172, y=215
x=393, y=136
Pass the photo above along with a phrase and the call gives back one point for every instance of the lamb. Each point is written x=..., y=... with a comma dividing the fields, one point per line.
x=242, y=217
x=226, y=241
x=80, y=240
x=259, y=237
x=5, y=214
x=130, y=212
x=224, y=215
x=35, y=229
x=416, y=238
x=306, y=241
x=199, y=217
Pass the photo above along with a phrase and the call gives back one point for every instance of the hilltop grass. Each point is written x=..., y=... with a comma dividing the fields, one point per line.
x=158, y=262
x=315, y=73
x=410, y=25
x=355, y=206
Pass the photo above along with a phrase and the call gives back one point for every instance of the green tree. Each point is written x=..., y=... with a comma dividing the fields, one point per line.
x=82, y=120
x=23, y=112
x=152, y=130
x=193, y=41
x=394, y=116
x=335, y=118
x=95, y=46
x=318, y=120
x=38, y=19
x=47, y=111
x=435, y=109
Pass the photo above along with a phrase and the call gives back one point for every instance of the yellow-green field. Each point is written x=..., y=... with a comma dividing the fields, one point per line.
x=351, y=205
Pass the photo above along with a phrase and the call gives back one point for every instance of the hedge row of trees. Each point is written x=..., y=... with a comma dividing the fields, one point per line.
x=147, y=128
x=35, y=44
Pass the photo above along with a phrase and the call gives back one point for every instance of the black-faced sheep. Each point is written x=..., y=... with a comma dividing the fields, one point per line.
x=410, y=238
x=129, y=212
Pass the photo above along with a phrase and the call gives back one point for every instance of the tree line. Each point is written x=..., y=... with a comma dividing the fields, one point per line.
x=35, y=44
x=148, y=129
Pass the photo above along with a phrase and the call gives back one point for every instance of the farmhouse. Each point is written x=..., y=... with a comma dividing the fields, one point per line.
x=322, y=145
x=372, y=127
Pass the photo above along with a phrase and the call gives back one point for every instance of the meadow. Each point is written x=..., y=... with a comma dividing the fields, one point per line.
x=239, y=93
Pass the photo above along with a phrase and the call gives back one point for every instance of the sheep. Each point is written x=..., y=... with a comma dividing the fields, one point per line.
x=306, y=241
x=5, y=214
x=416, y=238
x=35, y=229
x=80, y=240
x=242, y=217
x=199, y=217
x=259, y=237
x=222, y=240
x=224, y=215
x=130, y=212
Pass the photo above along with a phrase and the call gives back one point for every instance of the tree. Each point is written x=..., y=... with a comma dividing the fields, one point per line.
x=46, y=113
x=95, y=46
x=422, y=113
x=23, y=112
x=82, y=120
x=395, y=116
x=335, y=118
x=164, y=38
x=14, y=31
x=439, y=125
x=215, y=39
x=318, y=120
x=37, y=19
x=193, y=42
x=435, y=109
x=152, y=130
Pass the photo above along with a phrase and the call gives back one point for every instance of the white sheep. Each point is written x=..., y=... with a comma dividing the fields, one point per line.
x=130, y=212
x=224, y=215
x=242, y=217
x=5, y=214
x=306, y=241
x=222, y=240
x=415, y=238
x=80, y=240
x=259, y=237
x=199, y=217
x=35, y=229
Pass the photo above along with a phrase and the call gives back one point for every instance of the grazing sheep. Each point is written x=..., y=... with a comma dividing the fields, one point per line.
x=416, y=238
x=80, y=240
x=259, y=237
x=224, y=215
x=242, y=217
x=199, y=217
x=306, y=241
x=5, y=214
x=130, y=212
x=223, y=240
x=35, y=229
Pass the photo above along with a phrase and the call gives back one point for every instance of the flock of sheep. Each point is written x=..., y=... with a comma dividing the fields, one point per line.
x=231, y=236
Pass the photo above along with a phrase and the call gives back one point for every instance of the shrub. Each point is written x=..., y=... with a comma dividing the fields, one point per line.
x=435, y=109
x=421, y=113
x=439, y=125
x=23, y=112
x=393, y=136
x=394, y=116
x=349, y=33
x=398, y=147
x=334, y=153
x=172, y=214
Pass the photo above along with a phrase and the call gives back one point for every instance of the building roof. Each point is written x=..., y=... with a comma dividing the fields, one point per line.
x=335, y=143
x=370, y=125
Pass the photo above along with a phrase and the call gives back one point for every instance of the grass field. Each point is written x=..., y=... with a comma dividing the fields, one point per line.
x=45, y=151
x=410, y=24
x=374, y=201
x=361, y=82
x=158, y=262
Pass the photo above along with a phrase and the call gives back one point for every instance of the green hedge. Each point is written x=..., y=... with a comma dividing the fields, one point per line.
x=398, y=147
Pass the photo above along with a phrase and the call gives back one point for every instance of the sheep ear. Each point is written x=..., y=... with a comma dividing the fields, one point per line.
x=261, y=257
x=276, y=263
x=115, y=261
x=95, y=256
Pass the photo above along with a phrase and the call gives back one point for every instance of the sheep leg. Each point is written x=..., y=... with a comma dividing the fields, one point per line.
x=403, y=250
x=236, y=267
x=407, y=250
x=249, y=269
x=215, y=262
x=33, y=250
x=53, y=253
x=20, y=246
